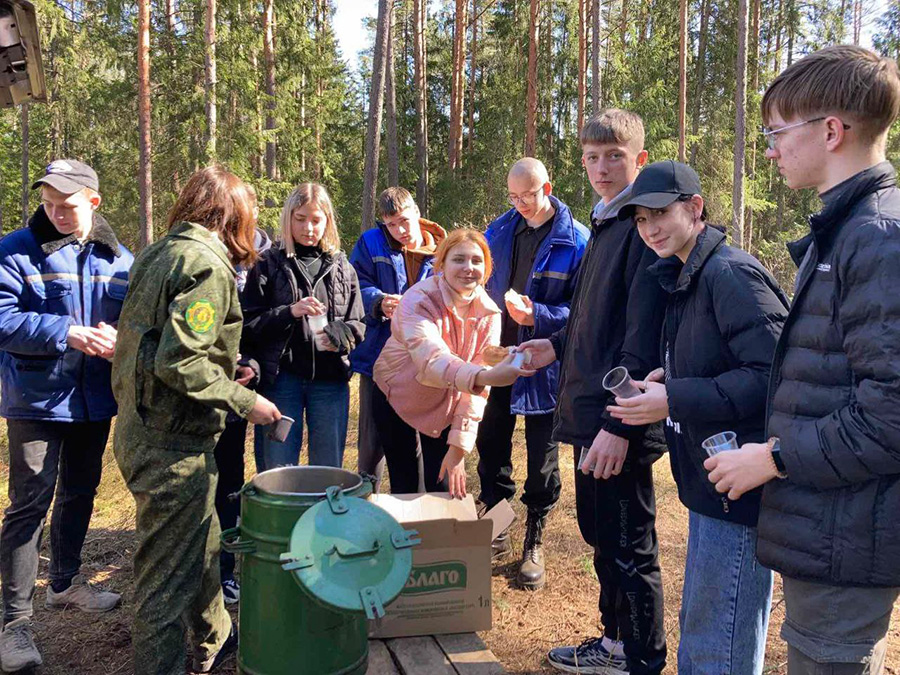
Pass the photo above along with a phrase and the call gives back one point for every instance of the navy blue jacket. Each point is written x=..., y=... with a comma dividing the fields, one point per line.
x=381, y=271
x=723, y=317
x=49, y=282
x=550, y=288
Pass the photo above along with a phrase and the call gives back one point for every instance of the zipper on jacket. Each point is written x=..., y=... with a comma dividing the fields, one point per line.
x=725, y=504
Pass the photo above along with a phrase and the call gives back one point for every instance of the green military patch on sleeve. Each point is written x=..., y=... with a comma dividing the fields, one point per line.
x=201, y=316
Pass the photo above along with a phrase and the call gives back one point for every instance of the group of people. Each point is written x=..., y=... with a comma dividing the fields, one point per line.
x=454, y=335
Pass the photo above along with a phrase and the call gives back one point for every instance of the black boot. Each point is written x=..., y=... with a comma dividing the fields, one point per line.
x=500, y=546
x=531, y=572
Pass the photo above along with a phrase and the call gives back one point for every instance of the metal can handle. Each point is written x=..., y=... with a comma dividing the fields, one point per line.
x=232, y=542
x=355, y=553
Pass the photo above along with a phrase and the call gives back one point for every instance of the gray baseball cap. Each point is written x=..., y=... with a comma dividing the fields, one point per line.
x=68, y=176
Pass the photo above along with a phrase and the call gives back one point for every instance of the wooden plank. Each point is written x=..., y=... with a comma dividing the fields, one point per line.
x=420, y=656
x=380, y=661
x=469, y=655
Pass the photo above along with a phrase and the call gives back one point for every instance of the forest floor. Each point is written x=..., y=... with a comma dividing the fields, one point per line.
x=526, y=624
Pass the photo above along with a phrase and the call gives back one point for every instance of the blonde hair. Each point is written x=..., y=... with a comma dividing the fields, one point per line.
x=303, y=194
x=838, y=80
x=614, y=125
x=458, y=237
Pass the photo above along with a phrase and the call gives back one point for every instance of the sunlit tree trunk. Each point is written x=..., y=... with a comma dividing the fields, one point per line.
x=210, y=84
x=740, y=123
x=145, y=172
x=26, y=179
x=419, y=51
x=390, y=110
x=682, y=81
x=376, y=102
x=531, y=97
x=269, y=56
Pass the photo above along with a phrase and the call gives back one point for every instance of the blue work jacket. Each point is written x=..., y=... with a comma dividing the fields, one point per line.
x=48, y=283
x=381, y=271
x=550, y=287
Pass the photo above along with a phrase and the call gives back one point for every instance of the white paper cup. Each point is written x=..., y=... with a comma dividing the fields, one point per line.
x=317, y=322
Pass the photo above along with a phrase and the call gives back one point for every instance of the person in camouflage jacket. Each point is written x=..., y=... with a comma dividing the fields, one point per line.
x=172, y=377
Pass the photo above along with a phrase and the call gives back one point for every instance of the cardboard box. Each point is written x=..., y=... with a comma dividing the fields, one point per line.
x=449, y=588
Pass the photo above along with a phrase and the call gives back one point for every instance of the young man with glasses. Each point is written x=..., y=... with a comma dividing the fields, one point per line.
x=536, y=247
x=831, y=467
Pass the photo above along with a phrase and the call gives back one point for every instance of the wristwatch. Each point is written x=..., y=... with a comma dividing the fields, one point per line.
x=775, y=452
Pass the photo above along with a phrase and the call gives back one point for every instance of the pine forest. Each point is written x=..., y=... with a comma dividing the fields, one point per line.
x=450, y=93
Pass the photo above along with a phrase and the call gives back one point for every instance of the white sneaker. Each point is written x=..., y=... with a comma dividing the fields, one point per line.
x=17, y=650
x=81, y=595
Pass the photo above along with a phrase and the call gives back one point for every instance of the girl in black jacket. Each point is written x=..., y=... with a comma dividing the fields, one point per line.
x=723, y=318
x=294, y=290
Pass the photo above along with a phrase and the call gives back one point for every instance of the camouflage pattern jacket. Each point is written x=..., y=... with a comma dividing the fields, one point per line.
x=178, y=340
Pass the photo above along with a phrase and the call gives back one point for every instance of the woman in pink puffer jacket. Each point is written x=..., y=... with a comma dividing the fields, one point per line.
x=431, y=374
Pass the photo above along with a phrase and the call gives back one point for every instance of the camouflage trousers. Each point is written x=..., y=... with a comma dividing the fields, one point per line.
x=176, y=564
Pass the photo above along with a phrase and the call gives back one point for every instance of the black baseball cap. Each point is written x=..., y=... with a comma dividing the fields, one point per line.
x=68, y=176
x=661, y=183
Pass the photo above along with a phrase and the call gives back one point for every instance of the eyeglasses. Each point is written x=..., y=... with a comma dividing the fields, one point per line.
x=527, y=198
x=771, y=135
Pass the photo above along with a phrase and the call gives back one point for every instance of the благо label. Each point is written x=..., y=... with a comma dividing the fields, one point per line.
x=436, y=578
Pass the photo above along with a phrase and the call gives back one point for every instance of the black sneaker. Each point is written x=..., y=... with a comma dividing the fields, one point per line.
x=588, y=658
x=231, y=589
x=210, y=664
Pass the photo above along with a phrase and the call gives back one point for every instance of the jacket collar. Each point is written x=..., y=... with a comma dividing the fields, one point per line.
x=674, y=276
x=562, y=230
x=839, y=201
x=482, y=305
x=198, y=233
x=50, y=240
x=604, y=212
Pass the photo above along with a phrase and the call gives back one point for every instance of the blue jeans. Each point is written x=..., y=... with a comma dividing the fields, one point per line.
x=726, y=600
x=327, y=407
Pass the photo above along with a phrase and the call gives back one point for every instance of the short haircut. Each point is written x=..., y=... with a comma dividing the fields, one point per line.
x=303, y=194
x=614, y=125
x=457, y=237
x=842, y=80
x=222, y=203
x=393, y=200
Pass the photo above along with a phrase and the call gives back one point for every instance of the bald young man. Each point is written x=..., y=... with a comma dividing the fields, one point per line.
x=536, y=246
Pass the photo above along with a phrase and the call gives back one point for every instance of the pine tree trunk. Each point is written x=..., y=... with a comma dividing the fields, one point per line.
x=583, y=20
x=778, y=32
x=682, y=81
x=740, y=123
x=210, y=85
x=595, y=56
x=321, y=32
x=170, y=18
x=269, y=57
x=145, y=173
x=390, y=110
x=26, y=179
x=457, y=92
x=421, y=86
x=531, y=97
x=376, y=102
x=257, y=159
x=472, y=63
x=699, y=75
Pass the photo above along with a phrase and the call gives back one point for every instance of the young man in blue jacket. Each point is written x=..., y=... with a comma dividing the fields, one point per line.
x=831, y=467
x=388, y=259
x=537, y=247
x=62, y=282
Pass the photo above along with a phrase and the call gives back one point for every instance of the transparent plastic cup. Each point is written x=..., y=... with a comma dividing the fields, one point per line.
x=317, y=322
x=726, y=440
x=619, y=382
x=584, y=452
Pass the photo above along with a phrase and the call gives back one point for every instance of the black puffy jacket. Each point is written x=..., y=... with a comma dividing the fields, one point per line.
x=614, y=320
x=834, y=397
x=270, y=291
x=723, y=318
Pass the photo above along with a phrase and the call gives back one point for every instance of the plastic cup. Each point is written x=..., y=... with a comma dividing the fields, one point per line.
x=278, y=431
x=317, y=322
x=726, y=440
x=619, y=382
x=584, y=452
x=521, y=359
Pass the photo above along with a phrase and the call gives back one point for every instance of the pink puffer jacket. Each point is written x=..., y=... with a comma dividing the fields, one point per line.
x=428, y=366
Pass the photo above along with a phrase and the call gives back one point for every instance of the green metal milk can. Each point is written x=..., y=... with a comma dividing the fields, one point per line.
x=318, y=561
